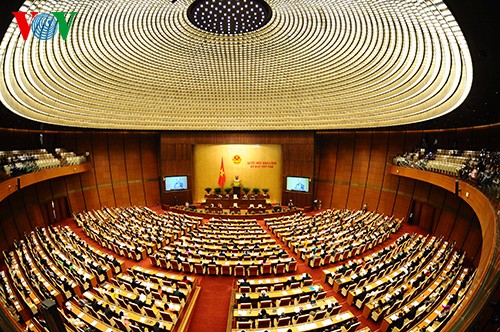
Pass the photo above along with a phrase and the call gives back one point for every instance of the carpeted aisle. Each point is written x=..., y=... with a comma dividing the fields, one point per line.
x=212, y=307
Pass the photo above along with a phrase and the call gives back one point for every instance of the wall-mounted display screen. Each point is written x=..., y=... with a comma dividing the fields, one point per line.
x=297, y=183
x=177, y=182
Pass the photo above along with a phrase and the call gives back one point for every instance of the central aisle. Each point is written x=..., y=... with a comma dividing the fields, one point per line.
x=212, y=306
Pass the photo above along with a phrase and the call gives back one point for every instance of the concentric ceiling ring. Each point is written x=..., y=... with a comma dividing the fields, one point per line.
x=317, y=64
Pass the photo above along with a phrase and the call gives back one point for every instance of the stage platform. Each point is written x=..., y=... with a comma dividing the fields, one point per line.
x=243, y=203
x=227, y=214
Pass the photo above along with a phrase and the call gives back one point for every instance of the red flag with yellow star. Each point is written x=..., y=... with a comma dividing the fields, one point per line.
x=222, y=174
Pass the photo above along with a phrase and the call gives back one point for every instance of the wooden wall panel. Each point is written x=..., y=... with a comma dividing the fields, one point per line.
x=58, y=187
x=378, y=160
x=475, y=242
x=327, y=159
x=9, y=226
x=324, y=193
x=137, y=193
x=421, y=191
x=44, y=192
x=117, y=158
x=343, y=170
x=30, y=201
x=446, y=221
x=386, y=203
x=355, y=199
x=102, y=169
x=340, y=193
x=88, y=179
x=19, y=212
x=412, y=140
x=122, y=197
x=390, y=183
x=76, y=200
x=345, y=161
x=150, y=169
x=460, y=229
x=480, y=138
x=371, y=198
x=361, y=162
x=427, y=214
x=133, y=160
x=404, y=197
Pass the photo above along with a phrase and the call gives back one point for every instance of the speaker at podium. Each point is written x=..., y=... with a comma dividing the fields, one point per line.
x=237, y=186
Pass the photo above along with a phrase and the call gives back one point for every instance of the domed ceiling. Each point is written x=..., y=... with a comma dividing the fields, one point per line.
x=233, y=64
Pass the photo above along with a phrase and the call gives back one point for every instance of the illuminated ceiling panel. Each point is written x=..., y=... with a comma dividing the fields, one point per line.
x=307, y=64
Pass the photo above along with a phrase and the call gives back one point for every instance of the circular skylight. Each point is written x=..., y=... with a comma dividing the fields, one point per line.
x=229, y=17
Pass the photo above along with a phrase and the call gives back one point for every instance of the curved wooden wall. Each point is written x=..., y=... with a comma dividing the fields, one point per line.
x=487, y=276
x=22, y=212
x=124, y=172
x=12, y=185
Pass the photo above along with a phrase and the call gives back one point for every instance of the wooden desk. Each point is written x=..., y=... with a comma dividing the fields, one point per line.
x=242, y=203
x=268, y=282
x=161, y=275
x=91, y=320
x=10, y=294
x=274, y=295
x=286, y=310
x=427, y=322
x=141, y=319
x=317, y=325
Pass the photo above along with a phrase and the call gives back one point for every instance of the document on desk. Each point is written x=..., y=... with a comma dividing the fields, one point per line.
x=327, y=322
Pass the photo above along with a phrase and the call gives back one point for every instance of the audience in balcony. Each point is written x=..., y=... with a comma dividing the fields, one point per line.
x=15, y=163
x=481, y=168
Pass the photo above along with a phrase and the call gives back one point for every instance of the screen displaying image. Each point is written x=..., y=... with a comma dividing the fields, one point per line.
x=178, y=182
x=295, y=183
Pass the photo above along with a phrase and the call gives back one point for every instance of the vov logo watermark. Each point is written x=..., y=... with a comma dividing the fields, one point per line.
x=44, y=26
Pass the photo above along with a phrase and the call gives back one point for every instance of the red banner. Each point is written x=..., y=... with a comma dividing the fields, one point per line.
x=222, y=173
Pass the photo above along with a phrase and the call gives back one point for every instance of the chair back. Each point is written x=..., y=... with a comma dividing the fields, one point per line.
x=239, y=271
x=266, y=322
x=320, y=314
x=265, y=304
x=243, y=325
x=166, y=316
x=284, y=321
x=302, y=319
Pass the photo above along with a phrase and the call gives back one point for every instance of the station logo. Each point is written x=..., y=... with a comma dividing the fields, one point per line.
x=45, y=25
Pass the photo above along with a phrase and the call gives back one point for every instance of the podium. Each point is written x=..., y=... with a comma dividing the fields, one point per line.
x=236, y=190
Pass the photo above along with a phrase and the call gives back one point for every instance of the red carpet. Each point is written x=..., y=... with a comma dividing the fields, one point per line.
x=212, y=307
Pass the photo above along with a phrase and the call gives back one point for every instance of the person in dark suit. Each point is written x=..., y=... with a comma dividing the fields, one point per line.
x=411, y=314
x=244, y=283
x=95, y=305
x=263, y=296
x=244, y=298
x=135, y=283
x=398, y=322
x=158, y=327
x=452, y=300
x=263, y=314
x=179, y=294
x=108, y=312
